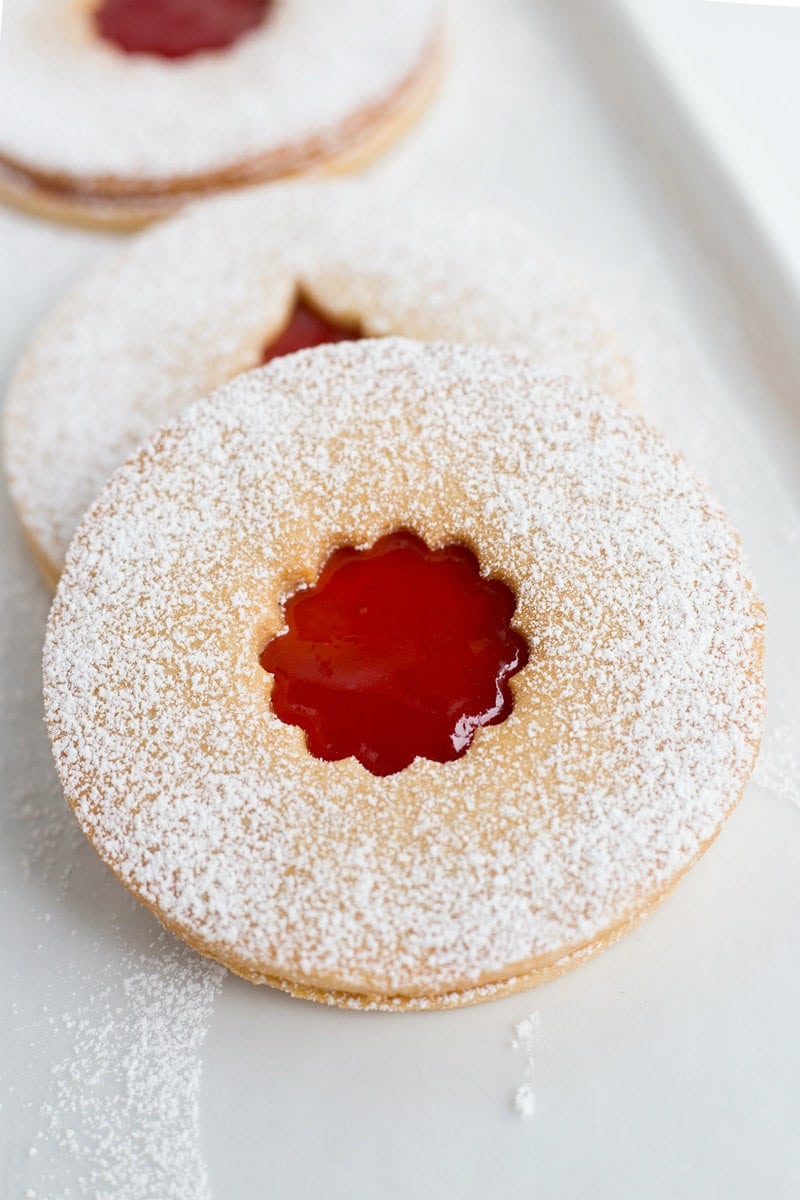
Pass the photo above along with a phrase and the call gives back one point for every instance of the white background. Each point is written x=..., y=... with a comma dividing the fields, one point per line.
x=667, y=1067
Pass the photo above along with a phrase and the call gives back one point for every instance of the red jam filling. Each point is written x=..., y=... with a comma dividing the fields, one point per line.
x=396, y=652
x=307, y=328
x=177, y=28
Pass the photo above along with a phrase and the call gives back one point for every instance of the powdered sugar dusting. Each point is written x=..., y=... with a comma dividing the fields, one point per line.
x=635, y=724
x=191, y=303
x=307, y=74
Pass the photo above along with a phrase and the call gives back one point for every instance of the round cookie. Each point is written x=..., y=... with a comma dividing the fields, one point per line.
x=92, y=133
x=192, y=302
x=635, y=725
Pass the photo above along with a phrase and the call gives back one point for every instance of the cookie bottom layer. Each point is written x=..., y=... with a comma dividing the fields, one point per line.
x=465, y=997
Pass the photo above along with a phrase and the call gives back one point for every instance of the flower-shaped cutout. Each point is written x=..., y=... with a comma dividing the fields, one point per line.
x=397, y=652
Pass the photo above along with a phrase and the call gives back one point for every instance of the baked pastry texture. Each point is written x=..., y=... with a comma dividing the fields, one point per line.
x=189, y=304
x=635, y=725
x=91, y=133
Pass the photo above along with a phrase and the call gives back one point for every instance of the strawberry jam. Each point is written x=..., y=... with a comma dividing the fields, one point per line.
x=307, y=328
x=177, y=28
x=397, y=652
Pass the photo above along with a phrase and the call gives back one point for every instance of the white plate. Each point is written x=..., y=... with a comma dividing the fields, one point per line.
x=667, y=1067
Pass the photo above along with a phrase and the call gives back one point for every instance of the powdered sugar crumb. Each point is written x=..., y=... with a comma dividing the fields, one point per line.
x=527, y=1038
x=524, y=1100
x=527, y=1033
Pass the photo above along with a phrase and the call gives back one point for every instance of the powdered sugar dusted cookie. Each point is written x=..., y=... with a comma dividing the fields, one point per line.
x=240, y=278
x=189, y=671
x=119, y=110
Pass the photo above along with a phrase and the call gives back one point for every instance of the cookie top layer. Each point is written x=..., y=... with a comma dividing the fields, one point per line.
x=635, y=725
x=74, y=106
x=191, y=303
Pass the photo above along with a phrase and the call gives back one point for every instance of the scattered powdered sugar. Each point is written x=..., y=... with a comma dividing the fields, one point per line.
x=122, y=1029
x=527, y=1038
x=50, y=838
x=191, y=303
x=121, y=1118
x=778, y=767
x=299, y=86
x=635, y=724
